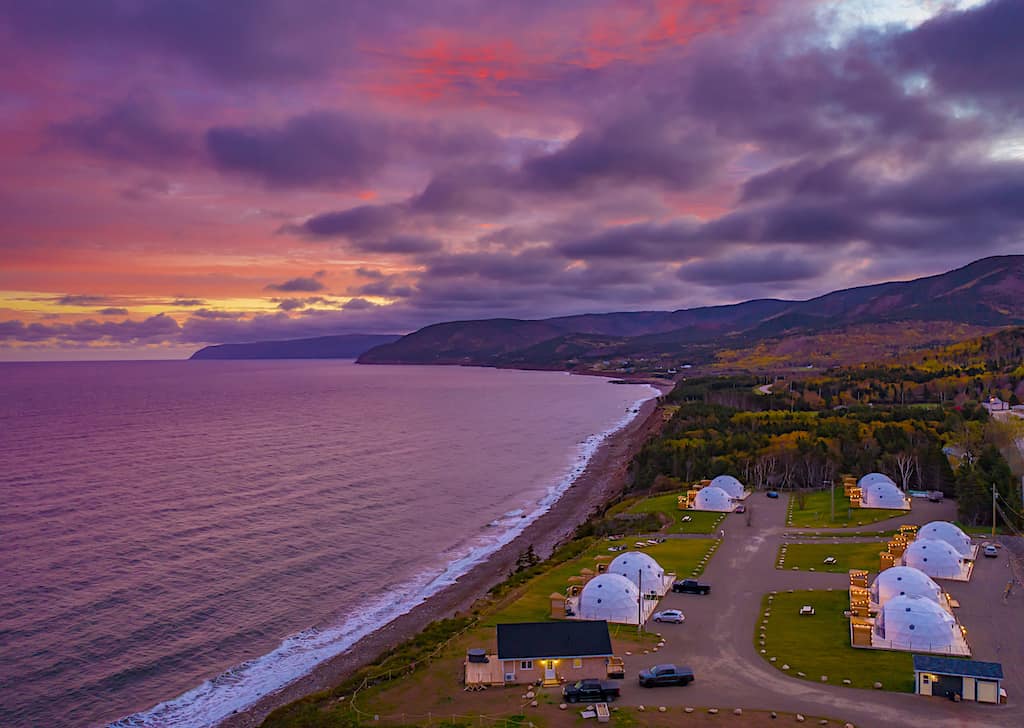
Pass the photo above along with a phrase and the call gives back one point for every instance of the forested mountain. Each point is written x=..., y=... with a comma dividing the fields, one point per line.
x=979, y=297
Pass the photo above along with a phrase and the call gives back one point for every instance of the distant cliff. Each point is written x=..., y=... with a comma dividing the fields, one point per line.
x=346, y=346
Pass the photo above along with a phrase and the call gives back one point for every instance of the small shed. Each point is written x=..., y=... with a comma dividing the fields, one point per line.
x=946, y=677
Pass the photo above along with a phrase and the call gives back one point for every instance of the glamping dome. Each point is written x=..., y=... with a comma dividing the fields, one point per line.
x=917, y=623
x=946, y=531
x=904, y=581
x=882, y=495
x=935, y=558
x=712, y=498
x=640, y=569
x=872, y=478
x=729, y=484
x=611, y=597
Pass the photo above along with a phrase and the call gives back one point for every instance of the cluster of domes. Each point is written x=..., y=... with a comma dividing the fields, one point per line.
x=904, y=581
x=917, y=623
x=712, y=498
x=614, y=596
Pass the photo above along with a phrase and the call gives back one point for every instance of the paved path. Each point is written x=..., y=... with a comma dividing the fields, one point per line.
x=718, y=638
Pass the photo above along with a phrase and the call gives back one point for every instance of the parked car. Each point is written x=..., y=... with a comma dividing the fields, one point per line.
x=935, y=496
x=590, y=691
x=990, y=551
x=665, y=675
x=772, y=494
x=670, y=615
x=740, y=509
x=691, y=586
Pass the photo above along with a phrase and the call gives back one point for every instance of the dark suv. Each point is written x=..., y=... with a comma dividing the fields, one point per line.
x=665, y=675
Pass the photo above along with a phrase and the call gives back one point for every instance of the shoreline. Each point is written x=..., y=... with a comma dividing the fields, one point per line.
x=602, y=479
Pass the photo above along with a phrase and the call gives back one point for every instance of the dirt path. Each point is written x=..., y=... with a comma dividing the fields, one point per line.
x=717, y=639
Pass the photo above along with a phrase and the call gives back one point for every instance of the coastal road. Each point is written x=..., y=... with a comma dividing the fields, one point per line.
x=717, y=639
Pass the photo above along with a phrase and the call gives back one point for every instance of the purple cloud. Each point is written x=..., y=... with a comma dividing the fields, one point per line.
x=296, y=285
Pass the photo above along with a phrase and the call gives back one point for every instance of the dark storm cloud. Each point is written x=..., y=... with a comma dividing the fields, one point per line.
x=344, y=149
x=187, y=302
x=977, y=52
x=132, y=131
x=357, y=223
x=751, y=267
x=297, y=285
x=384, y=289
x=206, y=313
x=399, y=244
x=653, y=241
x=236, y=41
x=113, y=312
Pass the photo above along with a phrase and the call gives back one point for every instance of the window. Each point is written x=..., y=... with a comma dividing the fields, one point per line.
x=577, y=663
x=526, y=665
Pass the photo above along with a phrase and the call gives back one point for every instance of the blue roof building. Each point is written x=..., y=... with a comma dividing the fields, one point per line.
x=948, y=677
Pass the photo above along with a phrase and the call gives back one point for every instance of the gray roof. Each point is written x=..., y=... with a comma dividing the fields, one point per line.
x=953, y=666
x=540, y=640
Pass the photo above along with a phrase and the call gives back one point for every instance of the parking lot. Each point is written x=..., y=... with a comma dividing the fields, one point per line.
x=717, y=639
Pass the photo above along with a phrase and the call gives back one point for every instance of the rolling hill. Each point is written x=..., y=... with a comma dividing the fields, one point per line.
x=884, y=318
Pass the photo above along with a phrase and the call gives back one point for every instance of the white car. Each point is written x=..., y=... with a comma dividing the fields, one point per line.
x=670, y=615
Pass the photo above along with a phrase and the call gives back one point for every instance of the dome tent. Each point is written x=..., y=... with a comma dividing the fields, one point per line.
x=882, y=495
x=611, y=597
x=872, y=478
x=917, y=623
x=935, y=558
x=732, y=486
x=904, y=581
x=712, y=498
x=639, y=568
x=946, y=531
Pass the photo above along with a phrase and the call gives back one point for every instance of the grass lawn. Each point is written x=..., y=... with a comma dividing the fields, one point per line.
x=848, y=556
x=820, y=644
x=667, y=505
x=816, y=510
x=681, y=555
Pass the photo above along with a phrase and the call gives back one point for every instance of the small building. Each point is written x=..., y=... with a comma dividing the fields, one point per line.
x=946, y=677
x=712, y=498
x=733, y=487
x=951, y=534
x=611, y=598
x=937, y=559
x=644, y=571
x=546, y=652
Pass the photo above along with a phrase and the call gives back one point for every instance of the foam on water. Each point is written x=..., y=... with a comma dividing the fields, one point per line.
x=243, y=685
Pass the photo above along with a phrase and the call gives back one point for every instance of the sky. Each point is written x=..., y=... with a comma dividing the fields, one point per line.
x=180, y=172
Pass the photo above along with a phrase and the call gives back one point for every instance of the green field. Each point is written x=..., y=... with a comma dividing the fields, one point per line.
x=820, y=644
x=667, y=506
x=848, y=556
x=679, y=555
x=817, y=509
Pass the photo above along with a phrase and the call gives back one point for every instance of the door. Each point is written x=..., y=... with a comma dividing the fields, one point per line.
x=988, y=691
x=946, y=685
x=549, y=671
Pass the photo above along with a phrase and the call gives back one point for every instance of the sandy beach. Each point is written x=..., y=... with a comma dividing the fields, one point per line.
x=603, y=478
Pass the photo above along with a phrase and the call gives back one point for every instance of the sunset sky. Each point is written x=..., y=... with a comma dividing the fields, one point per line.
x=181, y=172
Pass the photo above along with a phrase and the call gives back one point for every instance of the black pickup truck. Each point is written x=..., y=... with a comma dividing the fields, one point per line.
x=691, y=586
x=590, y=691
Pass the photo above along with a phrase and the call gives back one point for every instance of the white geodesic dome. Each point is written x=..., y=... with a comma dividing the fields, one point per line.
x=946, y=531
x=712, y=498
x=640, y=569
x=882, y=495
x=904, y=581
x=917, y=623
x=611, y=597
x=872, y=478
x=935, y=558
x=729, y=484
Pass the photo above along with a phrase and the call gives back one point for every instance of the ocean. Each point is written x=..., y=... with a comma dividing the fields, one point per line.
x=180, y=538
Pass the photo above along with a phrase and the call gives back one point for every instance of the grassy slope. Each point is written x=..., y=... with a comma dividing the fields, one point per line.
x=816, y=510
x=820, y=644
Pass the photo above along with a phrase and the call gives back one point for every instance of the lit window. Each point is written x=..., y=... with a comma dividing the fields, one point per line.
x=526, y=665
x=577, y=662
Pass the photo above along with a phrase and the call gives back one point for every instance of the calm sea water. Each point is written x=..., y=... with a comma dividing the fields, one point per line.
x=178, y=538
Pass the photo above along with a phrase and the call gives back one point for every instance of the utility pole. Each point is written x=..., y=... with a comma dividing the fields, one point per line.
x=993, y=510
x=640, y=601
x=832, y=491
